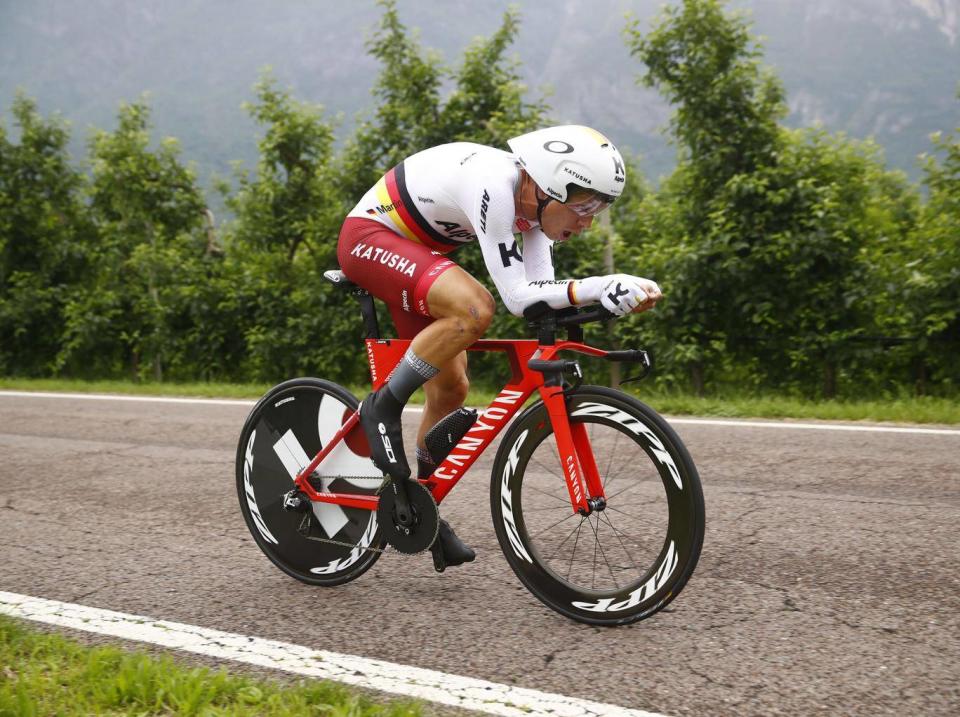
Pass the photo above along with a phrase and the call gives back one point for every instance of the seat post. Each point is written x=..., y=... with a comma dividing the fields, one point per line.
x=371, y=326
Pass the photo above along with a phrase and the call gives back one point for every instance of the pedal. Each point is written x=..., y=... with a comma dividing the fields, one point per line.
x=448, y=431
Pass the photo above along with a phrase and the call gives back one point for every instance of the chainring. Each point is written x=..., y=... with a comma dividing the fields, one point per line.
x=426, y=519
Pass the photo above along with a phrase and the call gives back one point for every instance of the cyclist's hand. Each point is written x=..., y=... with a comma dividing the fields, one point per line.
x=652, y=290
x=621, y=294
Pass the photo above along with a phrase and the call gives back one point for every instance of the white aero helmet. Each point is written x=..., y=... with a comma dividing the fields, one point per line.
x=570, y=162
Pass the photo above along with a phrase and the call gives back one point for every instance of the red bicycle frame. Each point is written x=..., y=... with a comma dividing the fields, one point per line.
x=573, y=445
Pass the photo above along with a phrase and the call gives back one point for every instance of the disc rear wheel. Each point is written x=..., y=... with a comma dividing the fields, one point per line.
x=327, y=544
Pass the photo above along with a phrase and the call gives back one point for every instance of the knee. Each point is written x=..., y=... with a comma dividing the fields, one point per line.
x=478, y=313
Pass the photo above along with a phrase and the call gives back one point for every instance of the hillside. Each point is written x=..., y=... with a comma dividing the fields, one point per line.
x=882, y=68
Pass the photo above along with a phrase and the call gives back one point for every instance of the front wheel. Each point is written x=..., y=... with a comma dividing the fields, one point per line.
x=617, y=565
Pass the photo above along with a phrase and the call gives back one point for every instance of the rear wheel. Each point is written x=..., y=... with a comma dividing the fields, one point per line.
x=619, y=564
x=283, y=432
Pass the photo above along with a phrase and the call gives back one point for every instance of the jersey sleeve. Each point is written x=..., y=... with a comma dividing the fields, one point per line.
x=493, y=214
x=537, y=255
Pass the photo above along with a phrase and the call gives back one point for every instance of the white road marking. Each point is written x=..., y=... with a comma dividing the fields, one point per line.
x=457, y=691
x=814, y=426
x=730, y=423
x=115, y=397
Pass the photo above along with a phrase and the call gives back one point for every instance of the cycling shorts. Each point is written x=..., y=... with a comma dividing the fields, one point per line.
x=395, y=269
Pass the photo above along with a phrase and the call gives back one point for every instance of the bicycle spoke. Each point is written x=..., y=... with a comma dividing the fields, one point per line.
x=622, y=545
x=630, y=464
x=611, y=497
x=563, y=501
x=547, y=470
x=596, y=534
x=613, y=452
x=617, y=510
x=563, y=542
x=577, y=540
x=571, y=515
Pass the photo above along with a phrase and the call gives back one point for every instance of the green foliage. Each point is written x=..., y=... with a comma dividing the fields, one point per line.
x=148, y=213
x=44, y=239
x=487, y=105
x=783, y=254
x=931, y=272
x=727, y=106
x=283, y=238
x=767, y=268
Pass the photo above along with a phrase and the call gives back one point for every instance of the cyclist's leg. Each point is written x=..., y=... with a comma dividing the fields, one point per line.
x=398, y=271
x=444, y=393
x=462, y=308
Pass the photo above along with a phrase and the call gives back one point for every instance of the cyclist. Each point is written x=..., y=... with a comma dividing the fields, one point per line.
x=395, y=241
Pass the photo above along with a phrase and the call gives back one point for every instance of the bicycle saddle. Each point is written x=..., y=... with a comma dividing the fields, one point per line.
x=337, y=277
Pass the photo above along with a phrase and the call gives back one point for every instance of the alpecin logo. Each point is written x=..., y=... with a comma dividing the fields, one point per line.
x=387, y=258
x=455, y=231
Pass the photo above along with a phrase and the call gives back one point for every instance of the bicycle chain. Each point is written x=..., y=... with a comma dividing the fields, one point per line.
x=304, y=527
x=341, y=543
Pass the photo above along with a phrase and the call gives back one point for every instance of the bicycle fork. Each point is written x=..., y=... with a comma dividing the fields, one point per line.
x=573, y=444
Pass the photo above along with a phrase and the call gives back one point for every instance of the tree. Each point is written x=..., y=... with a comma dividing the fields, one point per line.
x=288, y=217
x=769, y=226
x=44, y=239
x=407, y=94
x=149, y=216
x=931, y=272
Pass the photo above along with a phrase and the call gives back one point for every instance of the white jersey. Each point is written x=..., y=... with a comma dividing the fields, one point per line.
x=456, y=193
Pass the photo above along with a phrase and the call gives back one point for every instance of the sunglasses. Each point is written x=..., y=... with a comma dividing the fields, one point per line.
x=587, y=202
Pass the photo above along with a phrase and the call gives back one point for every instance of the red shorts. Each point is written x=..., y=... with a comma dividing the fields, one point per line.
x=396, y=270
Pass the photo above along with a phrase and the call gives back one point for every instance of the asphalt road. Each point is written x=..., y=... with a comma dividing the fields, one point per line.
x=829, y=580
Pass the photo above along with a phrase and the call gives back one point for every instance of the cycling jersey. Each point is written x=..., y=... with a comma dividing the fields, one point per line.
x=453, y=194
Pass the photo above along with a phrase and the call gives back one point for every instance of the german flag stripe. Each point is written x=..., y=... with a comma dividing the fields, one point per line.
x=407, y=208
x=383, y=196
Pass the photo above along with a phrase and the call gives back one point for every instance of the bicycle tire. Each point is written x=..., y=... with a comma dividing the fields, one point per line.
x=669, y=531
x=286, y=428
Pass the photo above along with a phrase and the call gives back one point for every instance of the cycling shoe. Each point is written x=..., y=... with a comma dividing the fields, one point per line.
x=380, y=419
x=448, y=550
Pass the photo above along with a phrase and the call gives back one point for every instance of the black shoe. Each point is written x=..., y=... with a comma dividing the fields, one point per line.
x=380, y=418
x=448, y=550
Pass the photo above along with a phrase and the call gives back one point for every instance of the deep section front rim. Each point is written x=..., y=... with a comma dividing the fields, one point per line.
x=620, y=564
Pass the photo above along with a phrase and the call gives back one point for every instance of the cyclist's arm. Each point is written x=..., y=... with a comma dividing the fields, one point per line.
x=537, y=255
x=492, y=218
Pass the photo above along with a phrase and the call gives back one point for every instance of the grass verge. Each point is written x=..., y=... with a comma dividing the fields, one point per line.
x=924, y=409
x=45, y=674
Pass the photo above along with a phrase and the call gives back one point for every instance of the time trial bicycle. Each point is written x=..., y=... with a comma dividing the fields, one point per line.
x=596, y=503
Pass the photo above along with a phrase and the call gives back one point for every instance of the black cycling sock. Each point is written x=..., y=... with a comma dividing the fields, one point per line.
x=409, y=375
